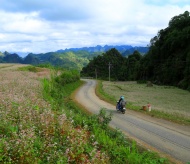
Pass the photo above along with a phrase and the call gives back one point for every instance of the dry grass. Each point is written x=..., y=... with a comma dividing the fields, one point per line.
x=162, y=98
x=10, y=66
x=19, y=86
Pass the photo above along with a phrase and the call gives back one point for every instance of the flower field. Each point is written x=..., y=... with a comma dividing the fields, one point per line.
x=30, y=131
x=41, y=124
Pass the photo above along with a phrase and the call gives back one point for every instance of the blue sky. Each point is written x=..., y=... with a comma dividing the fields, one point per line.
x=41, y=26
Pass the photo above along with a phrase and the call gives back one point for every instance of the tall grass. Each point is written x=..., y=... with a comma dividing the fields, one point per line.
x=167, y=102
x=81, y=147
x=41, y=124
x=27, y=121
x=111, y=145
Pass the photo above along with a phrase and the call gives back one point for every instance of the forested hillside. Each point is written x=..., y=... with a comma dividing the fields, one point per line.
x=68, y=60
x=73, y=58
x=114, y=66
x=167, y=62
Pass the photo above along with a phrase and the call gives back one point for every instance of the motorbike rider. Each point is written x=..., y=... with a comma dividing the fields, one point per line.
x=121, y=102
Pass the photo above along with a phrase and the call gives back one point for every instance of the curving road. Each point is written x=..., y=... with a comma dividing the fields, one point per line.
x=169, y=139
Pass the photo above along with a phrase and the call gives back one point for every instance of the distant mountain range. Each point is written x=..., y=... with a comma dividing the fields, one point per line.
x=72, y=58
x=123, y=49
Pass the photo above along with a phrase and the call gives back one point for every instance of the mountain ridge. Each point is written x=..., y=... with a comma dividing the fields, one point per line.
x=123, y=49
x=72, y=58
x=99, y=48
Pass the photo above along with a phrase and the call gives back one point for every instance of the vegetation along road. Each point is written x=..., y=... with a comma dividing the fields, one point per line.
x=169, y=139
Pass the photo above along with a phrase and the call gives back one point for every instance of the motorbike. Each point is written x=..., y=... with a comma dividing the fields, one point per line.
x=121, y=108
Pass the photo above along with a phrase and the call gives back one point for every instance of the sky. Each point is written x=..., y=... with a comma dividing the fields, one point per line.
x=41, y=26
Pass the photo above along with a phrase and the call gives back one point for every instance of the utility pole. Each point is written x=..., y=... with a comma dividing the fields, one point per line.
x=96, y=73
x=109, y=69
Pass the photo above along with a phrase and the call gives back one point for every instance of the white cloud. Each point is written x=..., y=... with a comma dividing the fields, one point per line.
x=21, y=23
x=42, y=26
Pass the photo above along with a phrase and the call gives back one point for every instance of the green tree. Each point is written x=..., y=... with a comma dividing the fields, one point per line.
x=100, y=65
x=166, y=61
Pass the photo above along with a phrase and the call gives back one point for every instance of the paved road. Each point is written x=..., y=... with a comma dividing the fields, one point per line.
x=171, y=139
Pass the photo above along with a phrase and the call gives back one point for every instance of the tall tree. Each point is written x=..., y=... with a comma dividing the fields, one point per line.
x=111, y=61
x=168, y=53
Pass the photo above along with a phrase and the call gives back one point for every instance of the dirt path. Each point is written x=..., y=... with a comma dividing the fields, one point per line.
x=169, y=139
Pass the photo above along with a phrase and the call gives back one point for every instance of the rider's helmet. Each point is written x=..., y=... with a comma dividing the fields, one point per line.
x=122, y=97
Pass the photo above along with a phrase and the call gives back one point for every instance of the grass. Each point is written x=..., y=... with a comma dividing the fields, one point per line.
x=29, y=68
x=11, y=66
x=118, y=148
x=166, y=102
x=23, y=113
x=4, y=66
x=40, y=123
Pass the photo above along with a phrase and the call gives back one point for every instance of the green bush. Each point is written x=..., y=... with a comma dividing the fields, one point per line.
x=141, y=81
x=67, y=77
x=28, y=68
